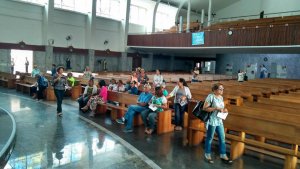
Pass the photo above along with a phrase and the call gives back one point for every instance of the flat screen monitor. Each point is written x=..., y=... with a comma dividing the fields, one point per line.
x=198, y=38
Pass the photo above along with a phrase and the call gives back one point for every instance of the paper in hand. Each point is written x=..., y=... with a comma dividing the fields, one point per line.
x=222, y=115
x=152, y=107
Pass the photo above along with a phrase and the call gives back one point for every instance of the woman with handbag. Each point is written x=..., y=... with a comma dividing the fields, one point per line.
x=214, y=103
x=182, y=95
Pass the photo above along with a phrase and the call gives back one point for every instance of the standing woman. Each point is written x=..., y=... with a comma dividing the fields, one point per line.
x=59, y=81
x=182, y=94
x=214, y=103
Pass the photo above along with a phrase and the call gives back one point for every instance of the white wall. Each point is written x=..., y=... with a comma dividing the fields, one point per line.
x=254, y=7
x=274, y=6
x=19, y=22
x=137, y=29
x=108, y=29
x=240, y=8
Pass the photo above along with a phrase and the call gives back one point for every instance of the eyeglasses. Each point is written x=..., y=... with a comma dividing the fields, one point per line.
x=221, y=89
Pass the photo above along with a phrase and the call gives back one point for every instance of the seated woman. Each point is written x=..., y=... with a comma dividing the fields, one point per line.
x=158, y=79
x=143, y=78
x=87, y=74
x=90, y=89
x=156, y=105
x=93, y=101
x=133, y=89
x=38, y=88
x=120, y=86
x=113, y=85
x=132, y=78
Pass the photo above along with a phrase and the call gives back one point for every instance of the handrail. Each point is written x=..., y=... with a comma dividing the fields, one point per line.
x=13, y=133
x=259, y=15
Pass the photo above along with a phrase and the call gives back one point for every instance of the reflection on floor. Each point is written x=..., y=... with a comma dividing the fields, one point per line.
x=45, y=141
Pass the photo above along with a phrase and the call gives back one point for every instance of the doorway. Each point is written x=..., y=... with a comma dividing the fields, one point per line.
x=19, y=57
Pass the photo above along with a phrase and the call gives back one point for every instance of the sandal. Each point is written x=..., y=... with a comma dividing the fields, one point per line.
x=59, y=114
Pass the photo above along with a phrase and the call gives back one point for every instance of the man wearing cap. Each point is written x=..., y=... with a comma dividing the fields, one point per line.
x=142, y=104
x=35, y=71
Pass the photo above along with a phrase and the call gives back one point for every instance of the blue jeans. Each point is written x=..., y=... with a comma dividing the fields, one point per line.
x=179, y=113
x=149, y=118
x=83, y=101
x=210, y=135
x=59, y=98
x=131, y=112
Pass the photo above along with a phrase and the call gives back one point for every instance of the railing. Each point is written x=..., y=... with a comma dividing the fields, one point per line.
x=257, y=16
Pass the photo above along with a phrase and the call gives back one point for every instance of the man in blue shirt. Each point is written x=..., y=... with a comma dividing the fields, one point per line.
x=142, y=104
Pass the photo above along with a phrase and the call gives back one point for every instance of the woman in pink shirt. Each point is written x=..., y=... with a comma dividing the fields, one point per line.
x=101, y=98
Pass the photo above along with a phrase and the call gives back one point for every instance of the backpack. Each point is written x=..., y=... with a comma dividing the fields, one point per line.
x=44, y=82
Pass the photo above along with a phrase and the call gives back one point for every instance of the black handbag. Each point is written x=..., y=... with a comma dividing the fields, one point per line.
x=200, y=113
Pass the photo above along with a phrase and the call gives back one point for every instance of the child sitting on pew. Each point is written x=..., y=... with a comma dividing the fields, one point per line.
x=156, y=105
x=112, y=85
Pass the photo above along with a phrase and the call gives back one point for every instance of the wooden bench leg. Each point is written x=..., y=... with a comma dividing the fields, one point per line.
x=290, y=162
x=195, y=137
x=114, y=114
x=237, y=147
x=137, y=121
x=164, y=124
x=185, y=119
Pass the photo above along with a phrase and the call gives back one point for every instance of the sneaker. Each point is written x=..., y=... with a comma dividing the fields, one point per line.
x=59, y=114
x=208, y=158
x=128, y=130
x=121, y=120
x=225, y=159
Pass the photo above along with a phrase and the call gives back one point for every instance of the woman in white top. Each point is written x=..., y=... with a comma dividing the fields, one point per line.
x=158, y=79
x=87, y=74
x=182, y=94
x=241, y=75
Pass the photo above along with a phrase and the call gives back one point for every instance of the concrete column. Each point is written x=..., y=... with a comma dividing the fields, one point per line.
x=147, y=62
x=154, y=15
x=150, y=62
x=47, y=21
x=180, y=24
x=91, y=61
x=125, y=11
x=188, y=20
x=171, y=68
x=209, y=13
x=123, y=62
x=178, y=10
x=202, y=16
x=90, y=26
x=49, y=57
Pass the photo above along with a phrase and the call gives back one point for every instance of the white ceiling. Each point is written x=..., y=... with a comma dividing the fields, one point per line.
x=197, y=5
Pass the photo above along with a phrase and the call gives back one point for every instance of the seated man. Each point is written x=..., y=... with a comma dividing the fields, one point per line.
x=133, y=89
x=142, y=104
x=90, y=89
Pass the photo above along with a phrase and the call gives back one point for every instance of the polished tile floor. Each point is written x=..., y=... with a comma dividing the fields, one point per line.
x=77, y=141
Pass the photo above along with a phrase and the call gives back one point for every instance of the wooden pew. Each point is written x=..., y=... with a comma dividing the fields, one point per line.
x=124, y=100
x=273, y=125
x=293, y=99
x=7, y=80
x=279, y=103
x=24, y=84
